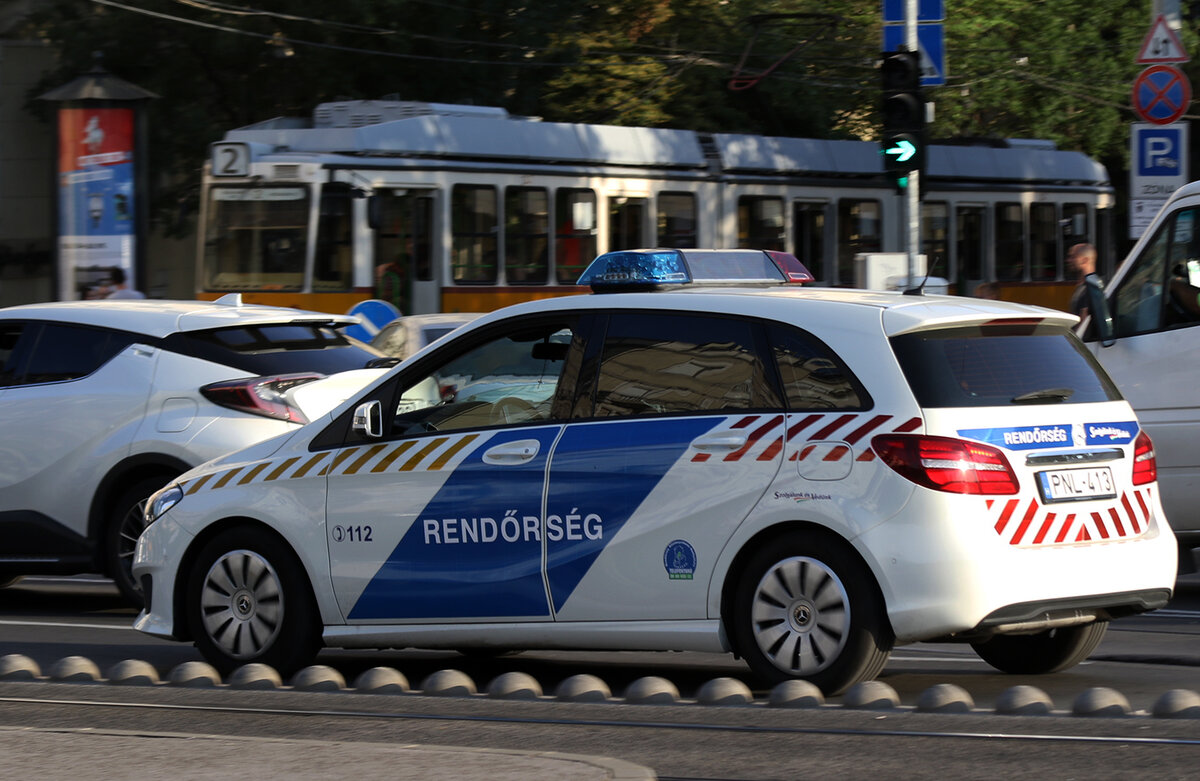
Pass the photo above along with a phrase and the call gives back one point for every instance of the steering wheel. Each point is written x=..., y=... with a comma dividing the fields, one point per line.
x=512, y=409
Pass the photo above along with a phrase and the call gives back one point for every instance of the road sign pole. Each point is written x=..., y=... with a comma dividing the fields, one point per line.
x=912, y=198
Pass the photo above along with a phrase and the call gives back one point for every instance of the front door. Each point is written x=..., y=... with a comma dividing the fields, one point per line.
x=440, y=518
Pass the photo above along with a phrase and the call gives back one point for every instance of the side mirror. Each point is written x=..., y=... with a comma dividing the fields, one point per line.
x=368, y=419
x=1098, y=311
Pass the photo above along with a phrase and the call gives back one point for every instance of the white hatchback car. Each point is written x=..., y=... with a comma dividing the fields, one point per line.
x=104, y=402
x=804, y=477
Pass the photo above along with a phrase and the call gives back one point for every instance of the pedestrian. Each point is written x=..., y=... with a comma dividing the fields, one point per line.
x=1081, y=258
x=119, y=287
x=989, y=290
x=390, y=284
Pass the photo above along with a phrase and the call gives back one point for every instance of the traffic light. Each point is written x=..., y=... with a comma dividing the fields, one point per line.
x=903, y=141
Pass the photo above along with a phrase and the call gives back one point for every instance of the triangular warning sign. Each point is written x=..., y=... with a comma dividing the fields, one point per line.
x=1161, y=44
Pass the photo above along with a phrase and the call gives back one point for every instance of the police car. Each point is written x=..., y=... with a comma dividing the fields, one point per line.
x=703, y=455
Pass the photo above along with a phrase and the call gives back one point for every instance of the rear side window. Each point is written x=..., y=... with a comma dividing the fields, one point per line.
x=813, y=377
x=1001, y=365
x=275, y=349
x=656, y=364
x=35, y=353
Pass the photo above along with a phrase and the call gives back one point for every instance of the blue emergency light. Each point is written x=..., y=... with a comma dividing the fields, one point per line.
x=643, y=269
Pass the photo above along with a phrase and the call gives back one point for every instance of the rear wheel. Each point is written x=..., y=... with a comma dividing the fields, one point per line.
x=126, y=522
x=249, y=600
x=806, y=607
x=1044, y=652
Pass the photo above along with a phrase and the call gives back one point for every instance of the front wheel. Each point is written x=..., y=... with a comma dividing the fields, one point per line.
x=1045, y=652
x=249, y=600
x=126, y=522
x=806, y=607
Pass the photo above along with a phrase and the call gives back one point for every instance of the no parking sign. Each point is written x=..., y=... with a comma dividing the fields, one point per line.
x=1161, y=94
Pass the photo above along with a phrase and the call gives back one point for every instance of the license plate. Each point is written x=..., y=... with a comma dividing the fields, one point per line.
x=1069, y=485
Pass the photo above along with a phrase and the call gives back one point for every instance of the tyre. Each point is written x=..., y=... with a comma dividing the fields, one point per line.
x=126, y=523
x=806, y=607
x=1044, y=652
x=249, y=600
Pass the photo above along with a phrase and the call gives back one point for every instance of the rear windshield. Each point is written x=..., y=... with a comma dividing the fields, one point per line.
x=999, y=365
x=276, y=349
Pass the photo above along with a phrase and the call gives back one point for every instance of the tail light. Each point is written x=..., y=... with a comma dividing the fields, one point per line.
x=1145, y=465
x=266, y=396
x=945, y=464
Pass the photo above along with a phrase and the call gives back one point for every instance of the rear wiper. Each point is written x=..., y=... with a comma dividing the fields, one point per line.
x=1044, y=396
x=382, y=363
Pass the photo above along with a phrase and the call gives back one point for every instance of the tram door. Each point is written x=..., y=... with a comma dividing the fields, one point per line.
x=627, y=222
x=405, y=235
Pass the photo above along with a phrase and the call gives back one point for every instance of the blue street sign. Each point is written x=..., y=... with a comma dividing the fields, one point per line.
x=374, y=314
x=927, y=11
x=932, y=40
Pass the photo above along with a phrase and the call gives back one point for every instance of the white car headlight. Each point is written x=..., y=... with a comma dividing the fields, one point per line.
x=161, y=502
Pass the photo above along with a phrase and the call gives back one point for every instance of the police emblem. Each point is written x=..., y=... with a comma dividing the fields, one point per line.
x=680, y=560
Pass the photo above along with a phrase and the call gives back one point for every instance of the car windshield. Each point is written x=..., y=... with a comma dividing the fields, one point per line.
x=276, y=349
x=998, y=365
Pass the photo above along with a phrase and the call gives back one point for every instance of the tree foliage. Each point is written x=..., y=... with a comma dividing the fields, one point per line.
x=1060, y=70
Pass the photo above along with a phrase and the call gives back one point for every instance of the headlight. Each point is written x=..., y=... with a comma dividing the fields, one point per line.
x=161, y=502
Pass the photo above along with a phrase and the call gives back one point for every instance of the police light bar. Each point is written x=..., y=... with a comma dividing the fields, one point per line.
x=651, y=268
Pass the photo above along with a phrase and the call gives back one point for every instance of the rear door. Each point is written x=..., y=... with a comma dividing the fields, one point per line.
x=677, y=434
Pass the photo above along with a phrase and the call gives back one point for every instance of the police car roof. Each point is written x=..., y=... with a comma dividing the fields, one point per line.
x=157, y=318
x=832, y=307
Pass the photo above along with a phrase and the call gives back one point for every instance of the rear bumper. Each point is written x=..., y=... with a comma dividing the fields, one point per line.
x=1049, y=614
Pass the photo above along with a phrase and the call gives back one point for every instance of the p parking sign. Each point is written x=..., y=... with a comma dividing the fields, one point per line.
x=1159, y=157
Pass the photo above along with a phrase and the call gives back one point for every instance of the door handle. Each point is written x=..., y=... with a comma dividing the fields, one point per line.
x=726, y=440
x=518, y=452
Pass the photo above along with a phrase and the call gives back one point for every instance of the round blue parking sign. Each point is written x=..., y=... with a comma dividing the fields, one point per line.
x=1161, y=94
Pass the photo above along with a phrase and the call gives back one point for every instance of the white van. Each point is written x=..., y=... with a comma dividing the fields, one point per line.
x=1149, y=343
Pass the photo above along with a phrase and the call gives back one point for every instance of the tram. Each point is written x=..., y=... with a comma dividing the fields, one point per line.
x=450, y=208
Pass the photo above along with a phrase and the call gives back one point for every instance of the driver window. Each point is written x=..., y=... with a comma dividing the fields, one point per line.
x=1161, y=289
x=509, y=380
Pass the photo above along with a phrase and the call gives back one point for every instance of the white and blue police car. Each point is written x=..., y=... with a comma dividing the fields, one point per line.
x=707, y=456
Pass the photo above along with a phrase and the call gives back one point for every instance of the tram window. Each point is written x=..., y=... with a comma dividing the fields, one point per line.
x=256, y=238
x=1010, y=242
x=473, y=216
x=1075, y=225
x=626, y=218
x=1043, y=241
x=935, y=238
x=808, y=220
x=970, y=246
x=760, y=222
x=334, y=263
x=677, y=220
x=526, y=235
x=859, y=230
x=575, y=234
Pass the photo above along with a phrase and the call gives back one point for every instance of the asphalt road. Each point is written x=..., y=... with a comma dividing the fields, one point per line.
x=1141, y=657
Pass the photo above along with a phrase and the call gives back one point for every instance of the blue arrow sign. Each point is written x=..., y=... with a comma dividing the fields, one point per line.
x=927, y=11
x=932, y=40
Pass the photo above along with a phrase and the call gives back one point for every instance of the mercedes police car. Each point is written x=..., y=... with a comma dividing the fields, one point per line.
x=704, y=456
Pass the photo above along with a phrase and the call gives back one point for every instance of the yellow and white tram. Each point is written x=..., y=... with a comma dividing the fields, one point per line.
x=475, y=209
